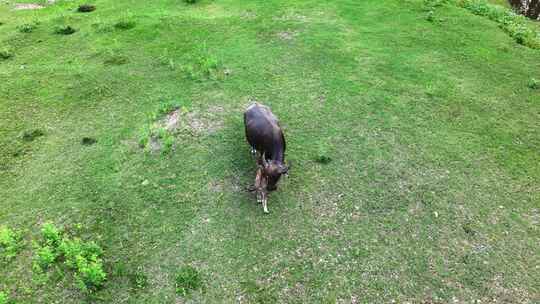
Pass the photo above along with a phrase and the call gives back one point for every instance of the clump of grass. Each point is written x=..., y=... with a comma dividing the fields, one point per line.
x=5, y=54
x=86, y=8
x=65, y=30
x=32, y=135
x=190, y=1
x=27, y=27
x=166, y=107
x=139, y=279
x=257, y=293
x=205, y=66
x=156, y=138
x=9, y=243
x=125, y=24
x=534, y=84
x=514, y=24
x=155, y=135
x=322, y=154
x=187, y=279
x=116, y=60
x=102, y=27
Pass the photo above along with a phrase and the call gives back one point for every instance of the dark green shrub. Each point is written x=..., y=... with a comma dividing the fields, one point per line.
x=31, y=135
x=534, y=84
x=65, y=30
x=5, y=54
x=86, y=8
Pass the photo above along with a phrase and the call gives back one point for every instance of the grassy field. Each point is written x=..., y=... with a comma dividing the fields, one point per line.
x=432, y=194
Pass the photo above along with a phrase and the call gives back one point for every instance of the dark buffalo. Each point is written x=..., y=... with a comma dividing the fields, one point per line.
x=266, y=139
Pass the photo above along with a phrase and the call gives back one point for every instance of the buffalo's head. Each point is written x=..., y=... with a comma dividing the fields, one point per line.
x=273, y=170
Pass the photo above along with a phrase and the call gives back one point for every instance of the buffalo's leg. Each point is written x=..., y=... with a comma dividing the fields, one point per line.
x=265, y=204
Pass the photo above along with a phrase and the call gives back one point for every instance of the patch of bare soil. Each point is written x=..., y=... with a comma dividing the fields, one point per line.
x=291, y=16
x=198, y=122
x=27, y=6
x=287, y=35
x=172, y=120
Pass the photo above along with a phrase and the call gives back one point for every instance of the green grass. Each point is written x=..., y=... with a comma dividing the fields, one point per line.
x=430, y=128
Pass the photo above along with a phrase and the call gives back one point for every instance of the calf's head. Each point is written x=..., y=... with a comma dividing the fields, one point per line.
x=272, y=171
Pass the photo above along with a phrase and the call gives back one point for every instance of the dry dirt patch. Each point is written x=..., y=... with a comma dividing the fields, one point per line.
x=27, y=6
x=198, y=122
x=287, y=35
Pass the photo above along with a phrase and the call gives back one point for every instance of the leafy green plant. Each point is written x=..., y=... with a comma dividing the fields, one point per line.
x=27, y=27
x=90, y=272
x=51, y=235
x=168, y=143
x=45, y=257
x=166, y=107
x=9, y=243
x=84, y=257
x=187, y=279
x=3, y=298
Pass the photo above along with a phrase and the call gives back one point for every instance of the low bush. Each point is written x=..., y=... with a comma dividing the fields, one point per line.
x=5, y=54
x=9, y=243
x=82, y=257
x=3, y=298
x=51, y=235
x=44, y=258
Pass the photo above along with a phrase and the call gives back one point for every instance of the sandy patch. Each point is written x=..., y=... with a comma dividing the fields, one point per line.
x=27, y=6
